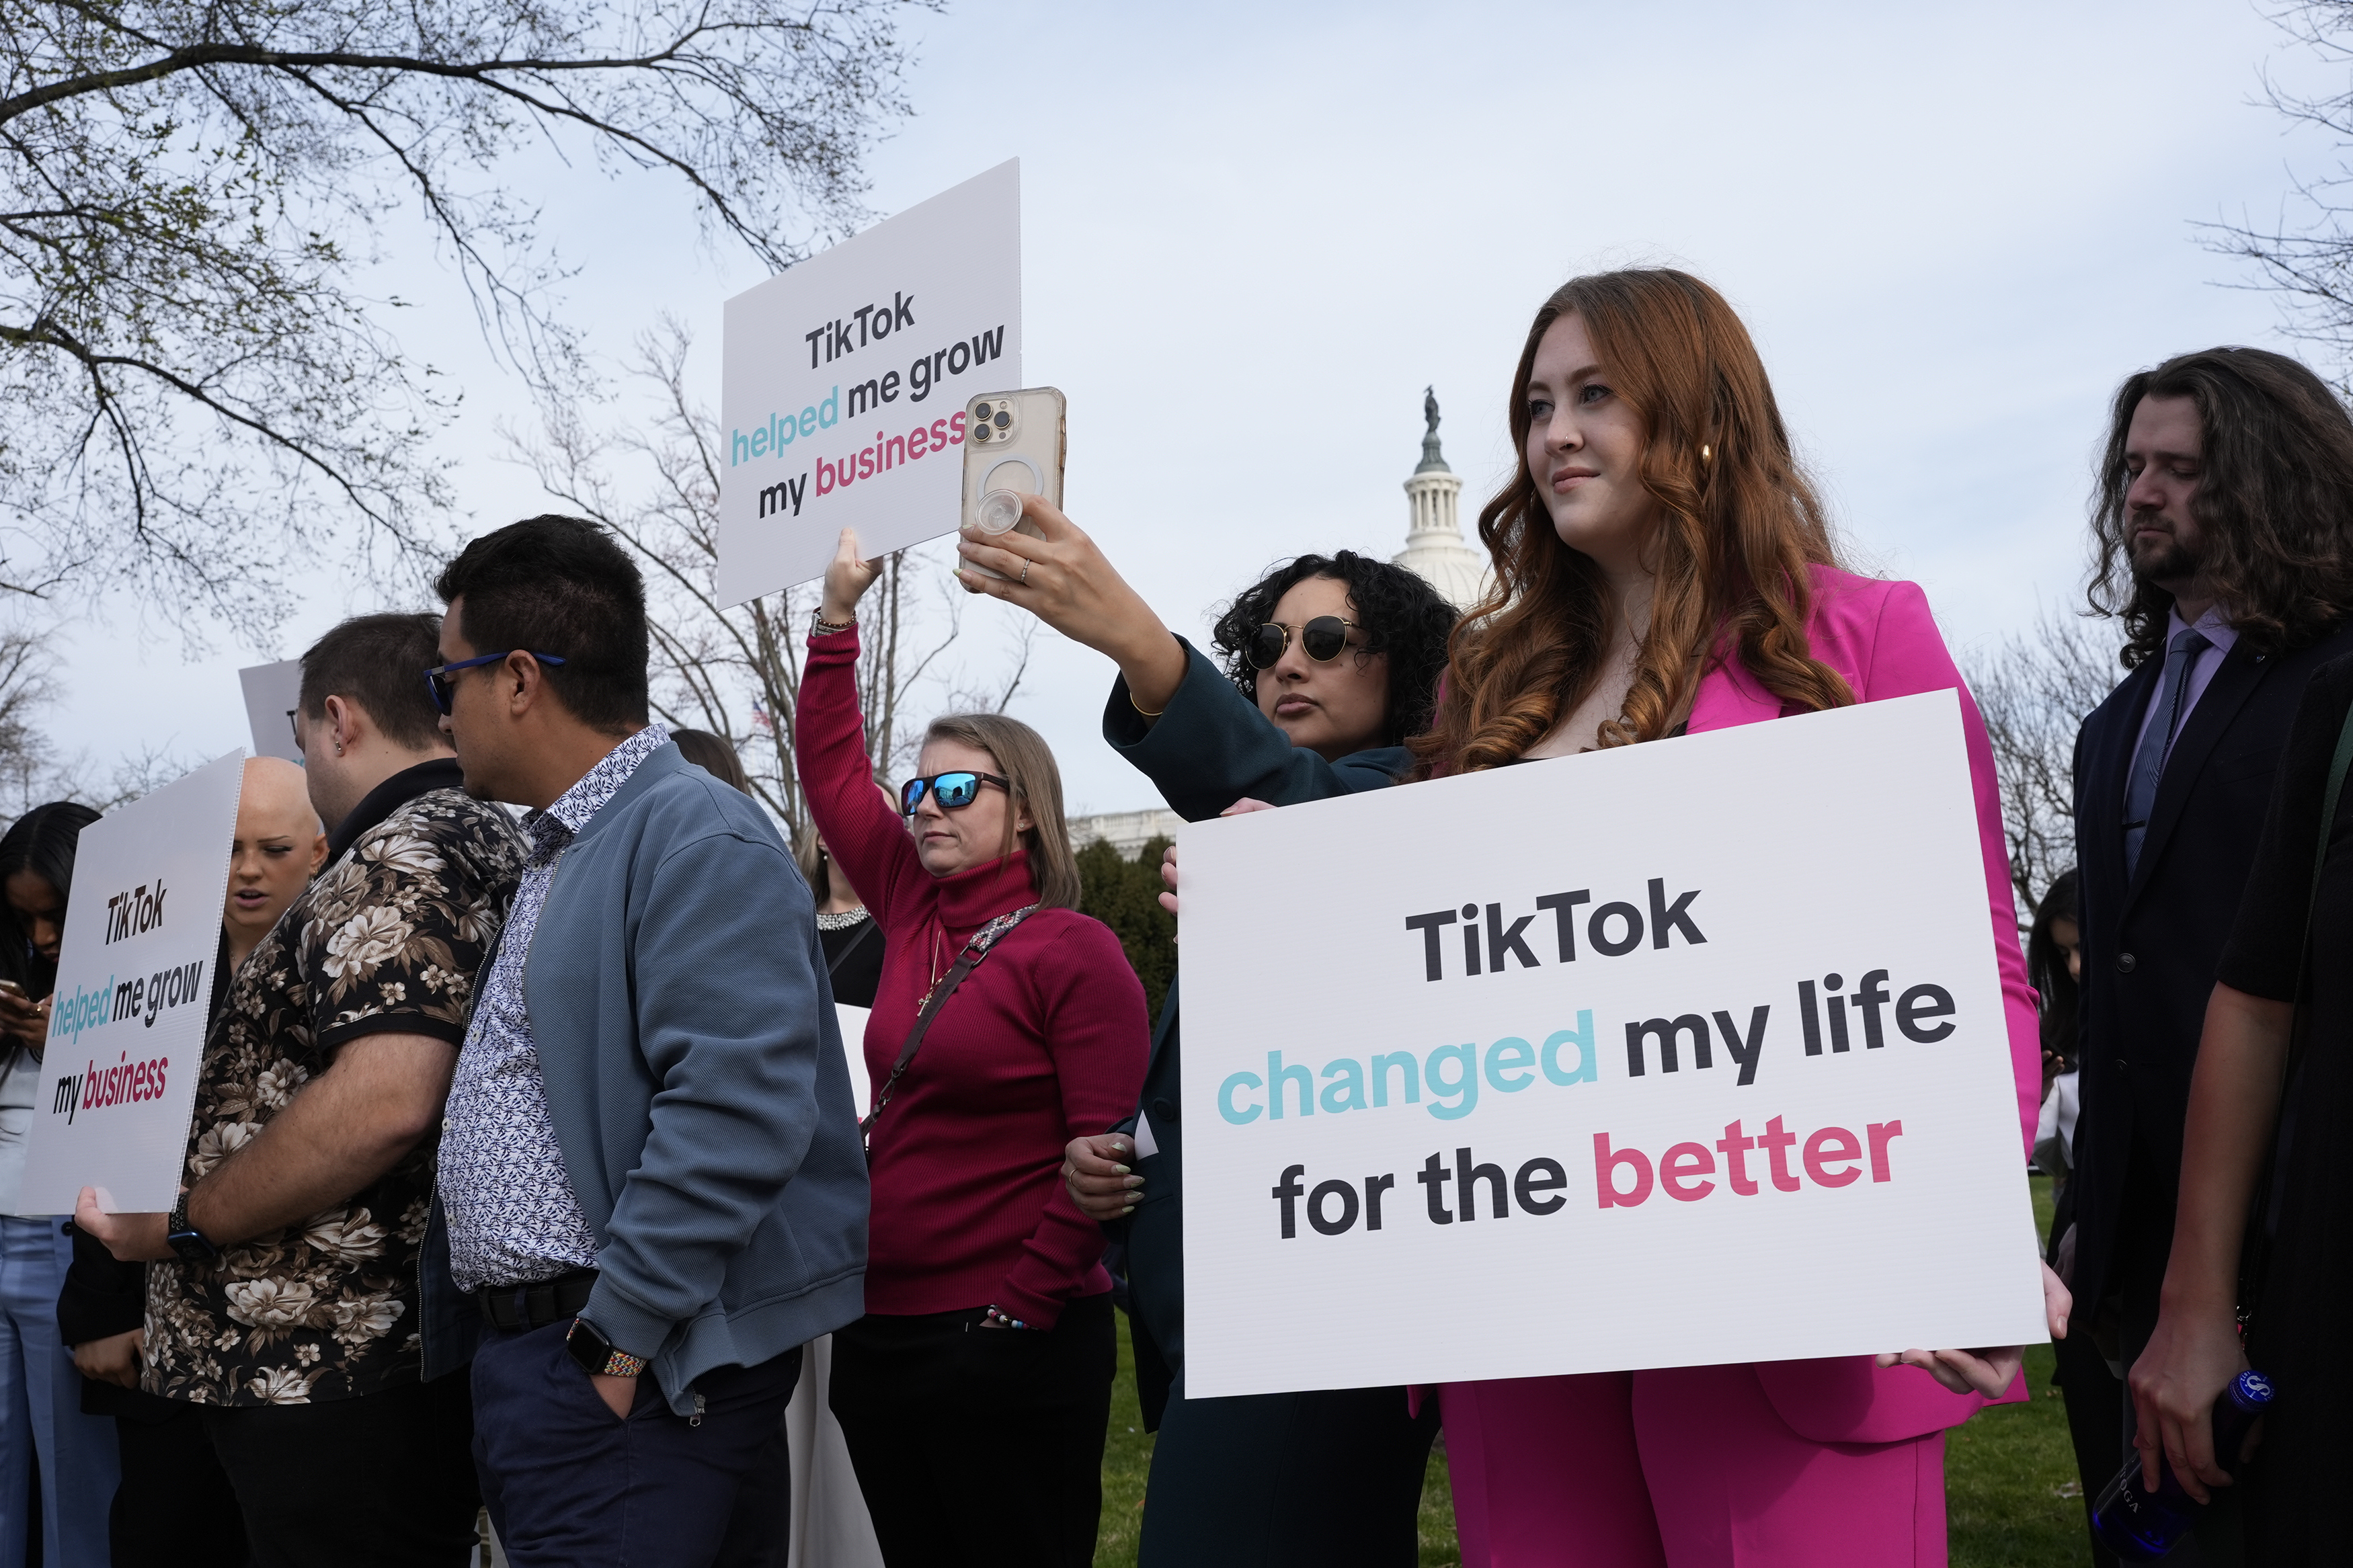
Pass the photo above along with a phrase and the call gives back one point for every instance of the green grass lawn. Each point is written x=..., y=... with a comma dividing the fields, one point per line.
x=2006, y=1469
x=2004, y=1474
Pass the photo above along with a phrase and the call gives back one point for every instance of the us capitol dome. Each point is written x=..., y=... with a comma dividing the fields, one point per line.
x=1434, y=548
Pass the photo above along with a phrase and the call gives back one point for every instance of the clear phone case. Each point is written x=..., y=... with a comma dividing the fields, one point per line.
x=1013, y=446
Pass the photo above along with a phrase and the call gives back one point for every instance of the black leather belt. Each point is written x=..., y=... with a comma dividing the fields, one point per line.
x=538, y=1304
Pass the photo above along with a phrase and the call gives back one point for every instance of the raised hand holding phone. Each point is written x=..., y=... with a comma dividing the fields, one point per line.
x=1050, y=568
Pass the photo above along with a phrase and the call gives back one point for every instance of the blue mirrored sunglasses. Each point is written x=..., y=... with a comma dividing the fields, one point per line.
x=436, y=680
x=953, y=790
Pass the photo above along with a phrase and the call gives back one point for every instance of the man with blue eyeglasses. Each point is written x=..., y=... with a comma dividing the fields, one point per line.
x=651, y=1180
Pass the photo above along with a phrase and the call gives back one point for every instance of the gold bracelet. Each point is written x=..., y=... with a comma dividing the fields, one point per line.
x=1139, y=707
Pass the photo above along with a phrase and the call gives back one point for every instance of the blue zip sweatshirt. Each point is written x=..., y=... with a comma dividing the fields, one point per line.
x=695, y=1076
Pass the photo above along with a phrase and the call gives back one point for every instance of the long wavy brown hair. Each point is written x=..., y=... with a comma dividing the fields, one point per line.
x=1739, y=527
x=2273, y=504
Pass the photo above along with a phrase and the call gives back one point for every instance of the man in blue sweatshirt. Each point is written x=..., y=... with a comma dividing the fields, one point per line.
x=650, y=1173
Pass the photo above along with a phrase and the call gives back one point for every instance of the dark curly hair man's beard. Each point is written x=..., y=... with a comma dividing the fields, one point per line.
x=2164, y=559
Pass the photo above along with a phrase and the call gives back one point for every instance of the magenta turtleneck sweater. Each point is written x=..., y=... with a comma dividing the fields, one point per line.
x=1044, y=1042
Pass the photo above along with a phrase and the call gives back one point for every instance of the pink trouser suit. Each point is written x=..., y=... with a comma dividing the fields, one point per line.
x=1805, y=1464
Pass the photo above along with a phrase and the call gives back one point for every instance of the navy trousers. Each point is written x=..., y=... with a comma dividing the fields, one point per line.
x=569, y=1486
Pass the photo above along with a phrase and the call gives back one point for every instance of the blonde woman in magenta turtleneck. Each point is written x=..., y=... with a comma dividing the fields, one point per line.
x=975, y=1391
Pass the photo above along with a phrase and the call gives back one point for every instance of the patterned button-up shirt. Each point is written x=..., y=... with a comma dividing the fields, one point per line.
x=513, y=1216
x=387, y=939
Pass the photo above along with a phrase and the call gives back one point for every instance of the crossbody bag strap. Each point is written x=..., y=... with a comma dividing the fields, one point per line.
x=2263, y=1221
x=986, y=938
x=834, y=967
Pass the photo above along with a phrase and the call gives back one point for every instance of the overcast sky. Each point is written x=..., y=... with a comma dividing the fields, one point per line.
x=1253, y=234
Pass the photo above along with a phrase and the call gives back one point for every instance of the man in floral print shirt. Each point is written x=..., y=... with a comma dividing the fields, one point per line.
x=284, y=1293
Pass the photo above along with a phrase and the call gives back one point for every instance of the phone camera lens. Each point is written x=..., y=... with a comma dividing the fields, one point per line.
x=980, y=411
x=1002, y=419
x=980, y=432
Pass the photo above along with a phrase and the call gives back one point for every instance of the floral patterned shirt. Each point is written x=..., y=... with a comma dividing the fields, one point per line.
x=386, y=940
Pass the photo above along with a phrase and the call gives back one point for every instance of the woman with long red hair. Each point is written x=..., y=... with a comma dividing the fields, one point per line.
x=1664, y=566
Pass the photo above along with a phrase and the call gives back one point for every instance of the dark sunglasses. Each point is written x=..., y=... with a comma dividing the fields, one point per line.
x=1321, y=639
x=953, y=790
x=436, y=680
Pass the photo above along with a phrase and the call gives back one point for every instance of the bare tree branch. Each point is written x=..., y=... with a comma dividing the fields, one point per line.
x=2033, y=692
x=191, y=386
x=2306, y=254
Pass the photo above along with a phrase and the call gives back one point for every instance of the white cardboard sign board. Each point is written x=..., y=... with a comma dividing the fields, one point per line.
x=844, y=381
x=1669, y=1054
x=134, y=989
x=853, y=1047
x=271, y=692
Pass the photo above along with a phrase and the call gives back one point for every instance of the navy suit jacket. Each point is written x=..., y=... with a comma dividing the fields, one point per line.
x=2152, y=943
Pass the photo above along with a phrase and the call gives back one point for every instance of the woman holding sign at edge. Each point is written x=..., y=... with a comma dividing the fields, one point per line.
x=1329, y=664
x=40, y=1394
x=975, y=1393
x=1662, y=566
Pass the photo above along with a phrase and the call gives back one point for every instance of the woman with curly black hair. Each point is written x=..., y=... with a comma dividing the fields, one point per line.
x=1331, y=662
x=1401, y=617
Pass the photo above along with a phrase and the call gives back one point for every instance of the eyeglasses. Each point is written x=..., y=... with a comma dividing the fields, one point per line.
x=436, y=680
x=1322, y=639
x=953, y=790
x=295, y=724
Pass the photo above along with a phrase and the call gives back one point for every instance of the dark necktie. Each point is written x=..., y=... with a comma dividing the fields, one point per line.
x=2157, y=741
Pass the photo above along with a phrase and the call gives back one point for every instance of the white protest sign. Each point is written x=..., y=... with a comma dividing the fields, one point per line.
x=844, y=381
x=134, y=990
x=1667, y=1055
x=271, y=694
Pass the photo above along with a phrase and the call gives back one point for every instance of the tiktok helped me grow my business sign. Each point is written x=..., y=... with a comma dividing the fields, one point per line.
x=845, y=382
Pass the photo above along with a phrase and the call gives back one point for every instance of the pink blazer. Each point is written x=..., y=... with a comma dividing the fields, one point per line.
x=1881, y=639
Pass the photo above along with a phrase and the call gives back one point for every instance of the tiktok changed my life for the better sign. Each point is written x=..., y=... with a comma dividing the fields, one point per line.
x=1669, y=1054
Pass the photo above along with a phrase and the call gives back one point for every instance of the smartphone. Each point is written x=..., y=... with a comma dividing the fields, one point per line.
x=1013, y=446
x=13, y=989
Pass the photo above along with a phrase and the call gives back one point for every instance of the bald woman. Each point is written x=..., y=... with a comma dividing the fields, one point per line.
x=280, y=847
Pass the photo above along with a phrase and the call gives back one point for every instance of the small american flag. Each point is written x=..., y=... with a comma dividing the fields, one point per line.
x=760, y=718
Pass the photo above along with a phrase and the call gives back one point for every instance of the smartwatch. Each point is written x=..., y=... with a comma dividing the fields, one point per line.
x=599, y=1355
x=185, y=1239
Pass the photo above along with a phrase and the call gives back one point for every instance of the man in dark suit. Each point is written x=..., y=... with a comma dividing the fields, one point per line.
x=2223, y=470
